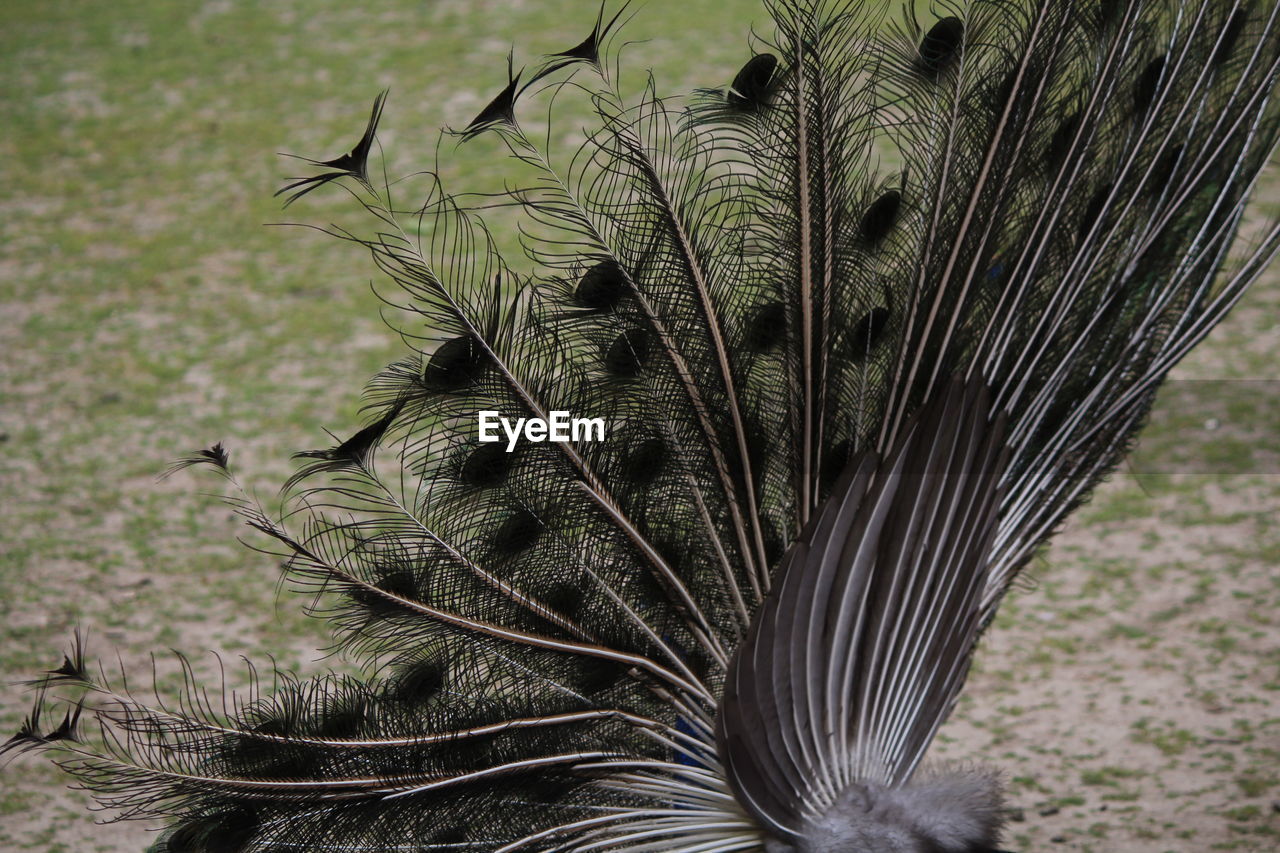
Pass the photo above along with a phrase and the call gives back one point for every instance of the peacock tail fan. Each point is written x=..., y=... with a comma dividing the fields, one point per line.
x=864, y=324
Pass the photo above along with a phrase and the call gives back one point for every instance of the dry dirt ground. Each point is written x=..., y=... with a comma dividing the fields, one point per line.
x=1130, y=692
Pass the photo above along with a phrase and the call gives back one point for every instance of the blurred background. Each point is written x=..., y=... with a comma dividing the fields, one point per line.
x=1131, y=693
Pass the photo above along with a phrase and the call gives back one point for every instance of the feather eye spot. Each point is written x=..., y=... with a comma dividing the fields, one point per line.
x=456, y=363
x=1162, y=171
x=833, y=464
x=1144, y=91
x=563, y=598
x=1006, y=90
x=223, y=832
x=881, y=216
x=1230, y=35
x=643, y=462
x=1060, y=144
x=751, y=86
x=602, y=286
x=419, y=681
x=344, y=717
x=486, y=466
x=628, y=353
x=940, y=45
x=645, y=589
x=596, y=675
x=1056, y=417
x=466, y=752
x=767, y=327
x=519, y=532
x=674, y=553
x=274, y=724
x=267, y=758
x=448, y=838
x=869, y=330
x=774, y=545
x=400, y=583
x=757, y=447
x=1094, y=210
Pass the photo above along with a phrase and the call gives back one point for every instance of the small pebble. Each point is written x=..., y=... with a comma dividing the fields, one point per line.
x=1049, y=811
x=1059, y=839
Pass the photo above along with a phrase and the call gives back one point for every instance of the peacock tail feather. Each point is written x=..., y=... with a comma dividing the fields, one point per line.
x=864, y=325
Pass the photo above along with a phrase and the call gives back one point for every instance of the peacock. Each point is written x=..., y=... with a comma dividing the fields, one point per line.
x=859, y=328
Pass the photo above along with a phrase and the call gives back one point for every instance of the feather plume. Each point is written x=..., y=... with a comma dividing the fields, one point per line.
x=867, y=321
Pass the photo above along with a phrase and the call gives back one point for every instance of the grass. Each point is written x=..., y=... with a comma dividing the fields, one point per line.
x=148, y=311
